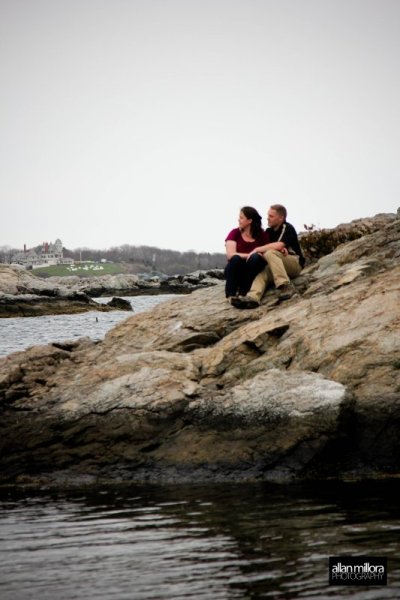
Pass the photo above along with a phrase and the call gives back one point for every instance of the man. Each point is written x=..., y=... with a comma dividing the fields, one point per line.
x=284, y=260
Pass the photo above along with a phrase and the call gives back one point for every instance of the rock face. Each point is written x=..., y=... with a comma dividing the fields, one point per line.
x=196, y=389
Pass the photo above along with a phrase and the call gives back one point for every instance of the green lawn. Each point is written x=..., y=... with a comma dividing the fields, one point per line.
x=80, y=269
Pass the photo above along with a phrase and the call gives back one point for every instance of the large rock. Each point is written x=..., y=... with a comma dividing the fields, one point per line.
x=30, y=305
x=22, y=294
x=17, y=280
x=196, y=389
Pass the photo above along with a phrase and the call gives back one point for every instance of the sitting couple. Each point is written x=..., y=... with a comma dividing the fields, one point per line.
x=257, y=257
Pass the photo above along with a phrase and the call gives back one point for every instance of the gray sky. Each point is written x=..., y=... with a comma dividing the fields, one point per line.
x=152, y=121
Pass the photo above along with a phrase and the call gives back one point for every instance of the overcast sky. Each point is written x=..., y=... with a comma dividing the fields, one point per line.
x=153, y=121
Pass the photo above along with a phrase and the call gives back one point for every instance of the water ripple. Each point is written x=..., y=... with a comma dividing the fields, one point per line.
x=169, y=543
x=19, y=333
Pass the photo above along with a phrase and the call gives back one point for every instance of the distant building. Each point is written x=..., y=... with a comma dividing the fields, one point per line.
x=48, y=254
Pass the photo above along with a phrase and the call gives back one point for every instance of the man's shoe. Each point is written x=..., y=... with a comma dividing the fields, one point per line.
x=286, y=291
x=244, y=302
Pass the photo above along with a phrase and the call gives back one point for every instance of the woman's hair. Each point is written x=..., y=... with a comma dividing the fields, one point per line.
x=255, y=227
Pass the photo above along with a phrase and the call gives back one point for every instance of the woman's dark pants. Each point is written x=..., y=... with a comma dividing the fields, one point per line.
x=239, y=274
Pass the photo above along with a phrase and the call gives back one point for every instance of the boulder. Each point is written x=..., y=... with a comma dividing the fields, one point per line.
x=198, y=390
x=120, y=303
x=15, y=279
x=24, y=295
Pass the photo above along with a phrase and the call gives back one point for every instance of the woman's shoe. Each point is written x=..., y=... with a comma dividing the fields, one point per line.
x=244, y=302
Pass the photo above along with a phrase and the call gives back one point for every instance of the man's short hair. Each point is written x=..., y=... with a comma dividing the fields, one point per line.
x=280, y=209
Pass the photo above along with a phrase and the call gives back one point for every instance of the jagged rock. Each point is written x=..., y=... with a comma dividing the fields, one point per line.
x=196, y=389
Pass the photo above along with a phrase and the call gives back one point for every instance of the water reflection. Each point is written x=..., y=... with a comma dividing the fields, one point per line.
x=170, y=542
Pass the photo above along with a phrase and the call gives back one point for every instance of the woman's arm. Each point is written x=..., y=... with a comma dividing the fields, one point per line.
x=231, y=246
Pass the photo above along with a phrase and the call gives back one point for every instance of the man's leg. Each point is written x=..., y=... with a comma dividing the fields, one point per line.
x=283, y=268
x=279, y=270
x=274, y=260
x=259, y=284
x=292, y=265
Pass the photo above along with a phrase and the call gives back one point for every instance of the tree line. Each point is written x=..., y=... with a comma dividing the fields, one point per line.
x=141, y=259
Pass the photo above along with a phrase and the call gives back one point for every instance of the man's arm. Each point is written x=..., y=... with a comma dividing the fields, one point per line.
x=280, y=246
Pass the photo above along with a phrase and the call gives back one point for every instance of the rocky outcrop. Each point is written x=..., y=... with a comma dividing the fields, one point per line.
x=24, y=294
x=16, y=280
x=320, y=242
x=196, y=389
x=29, y=305
x=132, y=285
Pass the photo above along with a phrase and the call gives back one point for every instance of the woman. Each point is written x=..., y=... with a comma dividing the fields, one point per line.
x=243, y=266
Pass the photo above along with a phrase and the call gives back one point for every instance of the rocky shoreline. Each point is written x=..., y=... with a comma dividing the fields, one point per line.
x=31, y=305
x=196, y=390
x=23, y=294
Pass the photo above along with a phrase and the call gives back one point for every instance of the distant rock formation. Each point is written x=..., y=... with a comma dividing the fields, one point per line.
x=197, y=390
x=133, y=285
x=24, y=294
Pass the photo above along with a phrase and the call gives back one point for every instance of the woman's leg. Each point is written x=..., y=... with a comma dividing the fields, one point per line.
x=234, y=273
x=254, y=266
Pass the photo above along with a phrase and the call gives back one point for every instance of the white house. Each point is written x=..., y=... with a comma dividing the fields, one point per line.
x=48, y=254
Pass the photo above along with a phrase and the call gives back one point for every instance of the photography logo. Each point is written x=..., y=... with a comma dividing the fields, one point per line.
x=358, y=570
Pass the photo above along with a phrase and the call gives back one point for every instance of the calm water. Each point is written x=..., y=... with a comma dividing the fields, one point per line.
x=18, y=333
x=169, y=542
x=215, y=542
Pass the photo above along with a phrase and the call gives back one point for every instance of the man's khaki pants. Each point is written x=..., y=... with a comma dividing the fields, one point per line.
x=279, y=270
